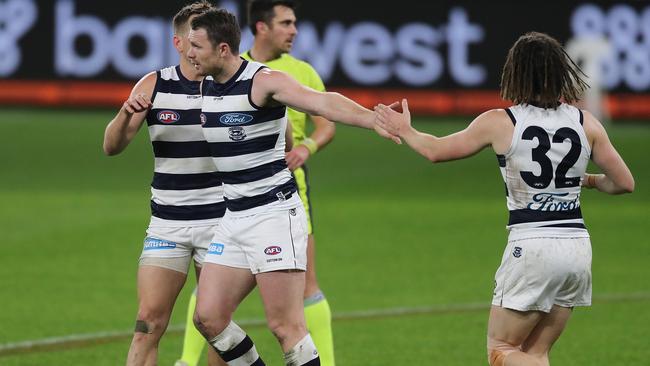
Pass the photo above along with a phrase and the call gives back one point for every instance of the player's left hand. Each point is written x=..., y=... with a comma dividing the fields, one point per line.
x=297, y=157
x=391, y=121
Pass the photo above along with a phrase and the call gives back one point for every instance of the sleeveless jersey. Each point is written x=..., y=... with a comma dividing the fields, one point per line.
x=185, y=184
x=543, y=168
x=306, y=75
x=246, y=141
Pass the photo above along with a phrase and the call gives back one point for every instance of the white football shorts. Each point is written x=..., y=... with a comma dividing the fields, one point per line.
x=271, y=239
x=537, y=273
x=175, y=242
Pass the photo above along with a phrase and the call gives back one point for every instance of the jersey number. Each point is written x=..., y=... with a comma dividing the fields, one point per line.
x=539, y=155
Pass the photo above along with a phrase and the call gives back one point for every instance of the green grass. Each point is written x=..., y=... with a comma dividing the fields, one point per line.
x=392, y=231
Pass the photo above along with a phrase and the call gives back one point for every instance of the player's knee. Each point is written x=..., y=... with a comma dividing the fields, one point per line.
x=145, y=331
x=208, y=324
x=498, y=350
x=283, y=329
x=151, y=321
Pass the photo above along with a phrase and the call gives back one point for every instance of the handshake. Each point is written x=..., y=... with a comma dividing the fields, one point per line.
x=392, y=124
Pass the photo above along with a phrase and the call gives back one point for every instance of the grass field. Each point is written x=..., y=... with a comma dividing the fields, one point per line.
x=393, y=232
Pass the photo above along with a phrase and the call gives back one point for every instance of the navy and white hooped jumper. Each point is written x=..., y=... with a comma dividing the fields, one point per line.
x=246, y=141
x=186, y=188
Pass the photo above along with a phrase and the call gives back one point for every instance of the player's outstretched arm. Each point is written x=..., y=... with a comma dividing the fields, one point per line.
x=273, y=86
x=282, y=88
x=617, y=177
x=479, y=134
x=123, y=127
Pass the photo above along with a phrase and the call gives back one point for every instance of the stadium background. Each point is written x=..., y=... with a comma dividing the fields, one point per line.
x=407, y=251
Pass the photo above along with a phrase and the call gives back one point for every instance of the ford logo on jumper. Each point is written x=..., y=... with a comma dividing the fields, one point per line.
x=234, y=119
x=553, y=202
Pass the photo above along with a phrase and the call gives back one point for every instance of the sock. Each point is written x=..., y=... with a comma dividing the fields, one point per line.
x=304, y=353
x=193, y=341
x=235, y=347
x=319, y=323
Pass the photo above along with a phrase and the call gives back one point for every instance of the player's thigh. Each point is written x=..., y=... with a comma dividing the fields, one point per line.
x=158, y=288
x=282, y=295
x=511, y=326
x=222, y=288
x=547, y=331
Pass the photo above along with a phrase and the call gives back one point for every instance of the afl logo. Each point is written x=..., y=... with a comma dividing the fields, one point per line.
x=203, y=118
x=272, y=250
x=168, y=116
x=517, y=252
x=234, y=119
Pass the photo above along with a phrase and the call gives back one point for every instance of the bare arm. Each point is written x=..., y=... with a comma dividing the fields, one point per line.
x=617, y=177
x=483, y=131
x=124, y=126
x=273, y=85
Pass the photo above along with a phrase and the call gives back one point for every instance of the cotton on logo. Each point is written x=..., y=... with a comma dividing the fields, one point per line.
x=168, y=116
x=272, y=250
x=16, y=18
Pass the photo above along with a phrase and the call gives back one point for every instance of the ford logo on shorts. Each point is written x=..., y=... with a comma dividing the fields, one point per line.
x=234, y=119
x=168, y=116
x=272, y=250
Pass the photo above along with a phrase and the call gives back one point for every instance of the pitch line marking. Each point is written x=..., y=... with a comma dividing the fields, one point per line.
x=89, y=339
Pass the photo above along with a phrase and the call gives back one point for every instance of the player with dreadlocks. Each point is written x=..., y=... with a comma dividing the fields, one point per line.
x=543, y=145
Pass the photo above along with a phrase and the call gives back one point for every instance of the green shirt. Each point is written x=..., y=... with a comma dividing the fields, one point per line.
x=306, y=75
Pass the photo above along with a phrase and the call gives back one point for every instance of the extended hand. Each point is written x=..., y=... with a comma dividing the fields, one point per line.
x=391, y=121
x=382, y=131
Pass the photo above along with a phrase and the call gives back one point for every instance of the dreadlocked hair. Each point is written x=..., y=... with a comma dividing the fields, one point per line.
x=538, y=71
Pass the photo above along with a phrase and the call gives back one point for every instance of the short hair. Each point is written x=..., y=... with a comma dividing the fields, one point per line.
x=262, y=11
x=221, y=26
x=186, y=12
x=539, y=71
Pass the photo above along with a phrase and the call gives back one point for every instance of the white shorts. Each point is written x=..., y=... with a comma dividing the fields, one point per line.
x=537, y=273
x=184, y=242
x=264, y=241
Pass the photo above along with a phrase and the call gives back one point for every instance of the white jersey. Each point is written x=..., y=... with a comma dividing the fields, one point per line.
x=186, y=189
x=543, y=169
x=246, y=141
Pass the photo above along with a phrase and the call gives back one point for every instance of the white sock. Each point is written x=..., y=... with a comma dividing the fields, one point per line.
x=304, y=353
x=235, y=347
